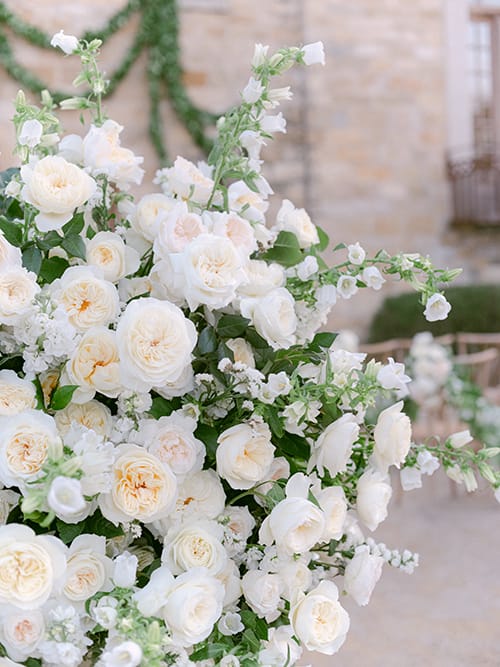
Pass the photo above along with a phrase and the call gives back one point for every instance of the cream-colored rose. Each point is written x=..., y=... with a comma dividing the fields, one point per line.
x=295, y=525
x=56, y=188
x=333, y=502
x=93, y=415
x=32, y=568
x=262, y=593
x=296, y=578
x=236, y=229
x=261, y=278
x=211, y=271
x=21, y=632
x=281, y=649
x=392, y=437
x=88, y=568
x=197, y=544
x=94, y=365
x=245, y=454
x=319, y=621
x=177, y=230
x=18, y=288
x=155, y=342
x=108, y=252
x=273, y=315
x=200, y=495
x=9, y=254
x=297, y=221
x=88, y=299
x=374, y=494
x=151, y=210
x=143, y=487
x=194, y=604
x=362, y=573
x=248, y=203
x=26, y=440
x=333, y=448
x=186, y=181
x=16, y=394
x=242, y=351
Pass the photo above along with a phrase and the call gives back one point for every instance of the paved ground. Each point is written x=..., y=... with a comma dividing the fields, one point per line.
x=447, y=614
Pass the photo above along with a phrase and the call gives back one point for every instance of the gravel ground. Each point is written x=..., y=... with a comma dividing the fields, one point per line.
x=447, y=614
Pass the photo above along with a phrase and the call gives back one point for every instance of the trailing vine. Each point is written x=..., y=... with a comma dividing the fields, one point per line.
x=158, y=33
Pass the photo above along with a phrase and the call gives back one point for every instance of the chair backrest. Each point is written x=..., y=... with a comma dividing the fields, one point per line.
x=481, y=366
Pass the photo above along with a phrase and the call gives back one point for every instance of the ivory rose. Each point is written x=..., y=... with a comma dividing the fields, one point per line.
x=262, y=593
x=155, y=342
x=16, y=394
x=196, y=544
x=200, y=495
x=273, y=315
x=177, y=229
x=236, y=229
x=295, y=525
x=88, y=568
x=261, y=278
x=32, y=568
x=21, y=631
x=149, y=213
x=56, y=188
x=188, y=182
x=297, y=221
x=392, y=437
x=245, y=454
x=93, y=415
x=142, y=487
x=319, y=620
x=333, y=448
x=374, y=494
x=362, y=573
x=108, y=252
x=18, y=288
x=333, y=502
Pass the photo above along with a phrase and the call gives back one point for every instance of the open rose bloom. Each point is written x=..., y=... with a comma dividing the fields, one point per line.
x=197, y=457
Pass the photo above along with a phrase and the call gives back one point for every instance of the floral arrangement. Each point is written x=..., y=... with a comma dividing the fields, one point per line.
x=189, y=466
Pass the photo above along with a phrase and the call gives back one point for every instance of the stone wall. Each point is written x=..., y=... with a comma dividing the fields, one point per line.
x=365, y=151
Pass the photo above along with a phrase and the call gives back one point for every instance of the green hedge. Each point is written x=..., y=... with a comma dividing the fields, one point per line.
x=475, y=309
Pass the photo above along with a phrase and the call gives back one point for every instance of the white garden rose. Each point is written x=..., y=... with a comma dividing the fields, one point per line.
x=297, y=221
x=236, y=229
x=177, y=229
x=88, y=299
x=95, y=366
x=245, y=454
x=33, y=567
x=16, y=394
x=374, y=494
x=211, y=269
x=21, y=631
x=242, y=351
x=248, y=203
x=392, y=437
x=281, y=649
x=188, y=182
x=238, y=524
x=319, y=621
x=150, y=211
x=261, y=278
x=262, y=593
x=88, y=568
x=200, y=495
x=153, y=596
x=362, y=573
x=56, y=188
x=273, y=316
x=296, y=578
x=143, y=487
x=26, y=441
x=108, y=252
x=9, y=254
x=155, y=342
x=92, y=415
x=5, y=662
x=333, y=448
x=103, y=154
x=295, y=525
x=193, y=606
x=333, y=502
x=18, y=288
x=197, y=544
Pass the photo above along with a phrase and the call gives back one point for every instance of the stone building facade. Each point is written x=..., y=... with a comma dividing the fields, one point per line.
x=368, y=134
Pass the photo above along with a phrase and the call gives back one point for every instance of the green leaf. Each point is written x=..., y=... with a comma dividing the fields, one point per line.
x=98, y=525
x=275, y=495
x=207, y=341
x=323, y=339
x=12, y=231
x=332, y=546
x=285, y=251
x=32, y=258
x=250, y=638
x=7, y=175
x=62, y=396
x=274, y=422
x=324, y=239
x=160, y=407
x=74, y=246
x=68, y=531
x=339, y=246
x=232, y=326
x=49, y=240
x=52, y=268
x=74, y=226
x=208, y=435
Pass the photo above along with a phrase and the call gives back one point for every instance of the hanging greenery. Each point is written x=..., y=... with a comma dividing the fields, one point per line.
x=158, y=33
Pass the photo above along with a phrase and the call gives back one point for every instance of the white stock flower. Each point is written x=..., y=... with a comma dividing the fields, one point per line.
x=196, y=544
x=177, y=229
x=194, y=604
x=56, y=188
x=319, y=621
x=33, y=566
x=362, y=573
x=273, y=316
x=16, y=394
x=355, y=253
x=314, y=53
x=126, y=654
x=346, y=286
x=21, y=631
x=436, y=308
x=297, y=221
x=88, y=569
x=67, y=43
x=125, y=570
x=372, y=277
x=392, y=436
x=333, y=448
x=143, y=487
x=108, y=252
x=65, y=499
x=26, y=441
x=244, y=455
x=374, y=493
x=18, y=288
x=262, y=593
x=155, y=342
x=88, y=299
x=31, y=133
x=149, y=213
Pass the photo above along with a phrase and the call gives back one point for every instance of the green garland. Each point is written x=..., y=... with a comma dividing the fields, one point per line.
x=158, y=33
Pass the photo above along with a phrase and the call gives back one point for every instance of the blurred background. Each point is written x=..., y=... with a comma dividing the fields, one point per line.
x=393, y=144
